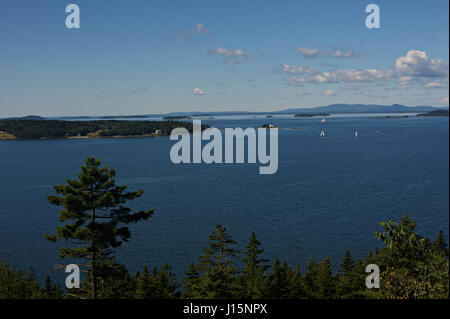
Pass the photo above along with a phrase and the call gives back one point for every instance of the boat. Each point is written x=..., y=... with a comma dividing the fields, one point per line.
x=356, y=133
x=322, y=134
x=323, y=120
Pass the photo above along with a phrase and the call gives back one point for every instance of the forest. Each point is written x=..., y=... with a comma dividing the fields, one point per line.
x=53, y=129
x=94, y=222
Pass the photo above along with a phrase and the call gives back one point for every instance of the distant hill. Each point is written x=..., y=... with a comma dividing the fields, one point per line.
x=361, y=108
x=28, y=117
x=443, y=113
x=329, y=109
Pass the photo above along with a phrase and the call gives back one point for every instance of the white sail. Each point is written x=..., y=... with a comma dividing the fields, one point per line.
x=322, y=134
x=356, y=134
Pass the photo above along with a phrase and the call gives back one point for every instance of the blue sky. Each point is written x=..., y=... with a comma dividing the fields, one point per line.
x=141, y=57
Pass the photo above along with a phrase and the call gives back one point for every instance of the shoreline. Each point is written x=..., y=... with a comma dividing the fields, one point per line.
x=13, y=138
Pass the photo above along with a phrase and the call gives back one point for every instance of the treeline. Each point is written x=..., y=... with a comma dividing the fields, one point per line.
x=443, y=113
x=95, y=219
x=52, y=129
x=421, y=273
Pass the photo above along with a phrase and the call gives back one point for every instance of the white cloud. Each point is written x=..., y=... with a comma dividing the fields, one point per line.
x=350, y=53
x=229, y=53
x=189, y=34
x=235, y=56
x=433, y=85
x=304, y=74
x=413, y=69
x=445, y=100
x=200, y=28
x=338, y=53
x=416, y=63
x=198, y=91
x=310, y=53
x=329, y=93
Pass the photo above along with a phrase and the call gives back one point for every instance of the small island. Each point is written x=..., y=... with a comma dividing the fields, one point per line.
x=311, y=114
x=391, y=117
x=437, y=113
x=12, y=129
x=176, y=117
x=268, y=126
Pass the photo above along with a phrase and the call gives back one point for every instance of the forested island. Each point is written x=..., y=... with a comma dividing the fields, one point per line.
x=54, y=129
x=311, y=114
x=441, y=113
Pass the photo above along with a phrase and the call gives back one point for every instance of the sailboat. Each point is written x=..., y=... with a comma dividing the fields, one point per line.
x=323, y=120
x=356, y=133
x=322, y=134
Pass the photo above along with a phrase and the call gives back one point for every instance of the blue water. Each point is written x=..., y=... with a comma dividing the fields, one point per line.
x=328, y=195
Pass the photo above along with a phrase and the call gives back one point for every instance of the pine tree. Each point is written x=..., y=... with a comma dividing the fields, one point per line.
x=347, y=263
x=251, y=281
x=325, y=280
x=252, y=258
x=440, y=245
x=310, y=280
x=217, y=266
x=346, y=279
x=143, y=284
x=94, y=212
x=118, y=284
x=219, y=252
x=50, y=290
x=191, y=282
x=296, y=284
x=277, y=282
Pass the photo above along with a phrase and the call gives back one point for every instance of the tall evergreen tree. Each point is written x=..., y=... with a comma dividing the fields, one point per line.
x=159, y=284
x=347, y=263
x=296, y=284
x=191, y=282
x=325, y=279
x=347, y=280
x=277, y=282
x=440, y=245
x=310, y=280
x=93, y=207
x=217, y=265
x=251, y=281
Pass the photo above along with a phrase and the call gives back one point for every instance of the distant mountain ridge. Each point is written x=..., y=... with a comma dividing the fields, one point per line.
x=362, y=108
x=330, y=109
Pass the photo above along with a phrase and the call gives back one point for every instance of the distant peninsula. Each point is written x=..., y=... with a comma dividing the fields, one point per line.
x=311, y=114
x=176, y=117
x=11, y=129
x=440, y=113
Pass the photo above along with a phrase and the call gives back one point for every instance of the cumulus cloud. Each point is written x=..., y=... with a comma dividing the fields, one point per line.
x=235, y=56
x=304, y=74
x=338, y=53
x=229, y=53
x=189, y=34
x=417, y=64
x=198, y=91
x=329, y=93
x=310, y=53
x=200, y=28
x=433, y=85
x=413, y=69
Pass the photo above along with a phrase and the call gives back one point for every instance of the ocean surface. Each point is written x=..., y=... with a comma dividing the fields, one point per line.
x=329, y=194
